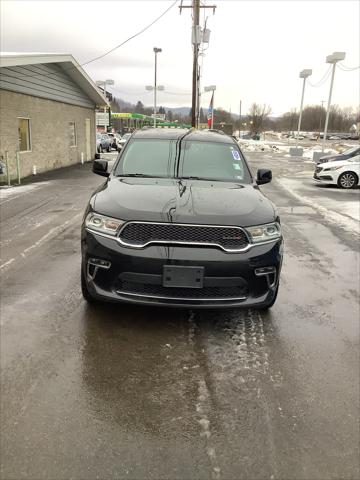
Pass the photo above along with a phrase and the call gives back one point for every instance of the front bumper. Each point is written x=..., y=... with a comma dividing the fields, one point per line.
x=323, y=178
x=135, y=276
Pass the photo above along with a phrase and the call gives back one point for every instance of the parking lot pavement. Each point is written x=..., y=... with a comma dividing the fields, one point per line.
x=116, y=391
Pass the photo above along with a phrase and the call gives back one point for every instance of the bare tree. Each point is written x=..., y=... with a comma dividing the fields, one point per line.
x=257, y=116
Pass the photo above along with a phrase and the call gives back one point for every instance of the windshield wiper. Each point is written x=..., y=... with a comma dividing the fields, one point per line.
x=196, y=178
x=143, y=175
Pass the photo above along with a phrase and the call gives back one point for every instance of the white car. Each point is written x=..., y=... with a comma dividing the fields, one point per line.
x=345, y=174
x=124, y=139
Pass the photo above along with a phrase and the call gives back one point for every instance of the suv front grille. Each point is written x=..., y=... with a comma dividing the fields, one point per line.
x=138, y=234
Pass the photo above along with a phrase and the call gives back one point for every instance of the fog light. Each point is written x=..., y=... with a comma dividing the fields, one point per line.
x=98, y=262
x=269, y=273
x=264, y=271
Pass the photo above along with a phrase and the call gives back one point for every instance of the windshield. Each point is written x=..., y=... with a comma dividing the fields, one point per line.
x=215, y=161
x=98, y=136
x=147, y=157
x=354, y=150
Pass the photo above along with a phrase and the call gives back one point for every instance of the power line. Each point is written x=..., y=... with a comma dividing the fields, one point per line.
x=133, y=36
x=109, y=51
x=322, y=80
x=347, y=69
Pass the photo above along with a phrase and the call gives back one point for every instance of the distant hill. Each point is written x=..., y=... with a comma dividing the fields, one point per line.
x=183, y=111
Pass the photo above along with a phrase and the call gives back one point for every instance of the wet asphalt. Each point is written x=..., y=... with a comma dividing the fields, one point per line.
x=117, y=391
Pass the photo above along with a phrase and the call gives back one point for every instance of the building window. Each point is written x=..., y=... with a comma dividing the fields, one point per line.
x=72, y=134
x=24, y=135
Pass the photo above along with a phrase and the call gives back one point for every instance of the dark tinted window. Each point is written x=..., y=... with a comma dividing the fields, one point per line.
x=147, y=157
x=217, y=161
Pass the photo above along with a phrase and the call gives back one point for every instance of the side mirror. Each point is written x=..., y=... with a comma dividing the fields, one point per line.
x=100, y=168
x=263, y=176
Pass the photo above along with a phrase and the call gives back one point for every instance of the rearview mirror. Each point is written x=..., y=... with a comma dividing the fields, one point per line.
x=263, y=176
x=100, y=168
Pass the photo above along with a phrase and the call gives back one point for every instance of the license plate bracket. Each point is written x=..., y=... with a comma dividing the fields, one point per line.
x=184, y=277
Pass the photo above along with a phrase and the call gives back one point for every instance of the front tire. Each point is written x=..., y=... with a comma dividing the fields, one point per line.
x=348, y=180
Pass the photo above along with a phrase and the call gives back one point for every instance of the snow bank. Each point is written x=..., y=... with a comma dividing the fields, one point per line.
x=309, y=152
x=262, y=146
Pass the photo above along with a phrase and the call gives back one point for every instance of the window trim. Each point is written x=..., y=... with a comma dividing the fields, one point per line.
x=75, y=131
x=30, y=135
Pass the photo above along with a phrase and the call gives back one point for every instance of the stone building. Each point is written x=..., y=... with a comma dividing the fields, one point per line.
x=47, y=112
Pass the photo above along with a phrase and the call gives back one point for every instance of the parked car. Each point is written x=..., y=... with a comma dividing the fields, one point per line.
x=344, y=174
x=103, y=142
x=181, y=221
x=350, y=153
x=124, y=139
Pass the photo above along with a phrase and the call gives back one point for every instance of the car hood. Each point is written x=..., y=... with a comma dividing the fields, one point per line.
x=169, y=200
x=339, y=163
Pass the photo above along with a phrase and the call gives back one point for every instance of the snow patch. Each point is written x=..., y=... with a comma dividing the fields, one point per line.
x=17, y=191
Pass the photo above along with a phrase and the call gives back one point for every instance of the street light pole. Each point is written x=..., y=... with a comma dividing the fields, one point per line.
x=156, y=51
x=303, y=74
x=240, y=121
x=334, y=58
x=321, y=111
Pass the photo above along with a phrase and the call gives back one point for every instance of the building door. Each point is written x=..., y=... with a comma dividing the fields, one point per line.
x=87, y=139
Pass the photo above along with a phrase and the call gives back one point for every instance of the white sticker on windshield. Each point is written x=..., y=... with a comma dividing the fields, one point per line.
x=235, y=154
x=236, y=166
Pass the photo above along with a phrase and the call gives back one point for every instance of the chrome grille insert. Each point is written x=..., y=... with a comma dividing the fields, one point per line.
x=141, y=234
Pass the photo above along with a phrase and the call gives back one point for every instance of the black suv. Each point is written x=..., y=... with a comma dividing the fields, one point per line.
x=181, y=221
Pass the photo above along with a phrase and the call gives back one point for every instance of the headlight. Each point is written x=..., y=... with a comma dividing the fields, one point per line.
x=100, y=223
x=332, y=168
x=264, y=233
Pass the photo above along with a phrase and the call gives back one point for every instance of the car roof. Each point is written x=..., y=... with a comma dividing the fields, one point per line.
x=176, y=133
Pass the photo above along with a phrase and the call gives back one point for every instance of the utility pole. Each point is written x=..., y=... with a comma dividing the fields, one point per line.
x=196, y=40
x=240, y=121
x=321, y=111
x=196, y=29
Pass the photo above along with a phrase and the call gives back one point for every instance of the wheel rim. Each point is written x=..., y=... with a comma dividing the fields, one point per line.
x=347, y=180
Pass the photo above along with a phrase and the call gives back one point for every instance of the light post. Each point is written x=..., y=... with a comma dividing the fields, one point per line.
x=211, y=88
x=321, y=111
x=303, y=74
x=334, y=58
x=155, y=87
x=240, y=120
x=103, y=83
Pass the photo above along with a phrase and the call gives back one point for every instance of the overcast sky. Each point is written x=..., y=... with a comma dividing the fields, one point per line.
x=256, y=51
